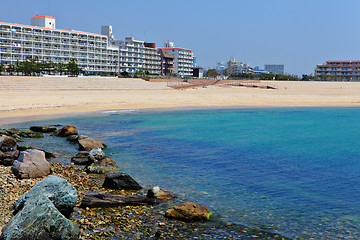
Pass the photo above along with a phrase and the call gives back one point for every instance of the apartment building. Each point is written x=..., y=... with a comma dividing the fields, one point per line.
x=183, y=60
x=43, y=41
x=275, y=68
x=167, y=62
x=339, y=70
x=152, y=59
x=234, y=67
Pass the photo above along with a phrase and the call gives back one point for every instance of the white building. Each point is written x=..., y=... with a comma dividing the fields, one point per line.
x=131, y=54
x=234, y=67
x=183, y=61
x=43, y=41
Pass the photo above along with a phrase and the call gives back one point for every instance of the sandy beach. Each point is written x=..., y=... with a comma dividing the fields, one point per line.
x=33, y=97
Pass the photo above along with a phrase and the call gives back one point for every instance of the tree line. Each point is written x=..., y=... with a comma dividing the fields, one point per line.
x=34, y=67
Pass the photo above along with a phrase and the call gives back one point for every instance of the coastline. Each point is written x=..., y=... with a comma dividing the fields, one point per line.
x=34, y=98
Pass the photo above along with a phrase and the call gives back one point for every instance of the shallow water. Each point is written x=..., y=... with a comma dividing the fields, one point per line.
x=293, y=171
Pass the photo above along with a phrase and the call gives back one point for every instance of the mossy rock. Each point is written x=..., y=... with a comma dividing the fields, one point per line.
x=30, y=134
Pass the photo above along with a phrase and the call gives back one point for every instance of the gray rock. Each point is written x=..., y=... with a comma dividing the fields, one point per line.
x=81, y=158
x=96, y=154
x=39, y=219
x=120, y=180
x=57, y=189
x=31, y=164
x=106, y=165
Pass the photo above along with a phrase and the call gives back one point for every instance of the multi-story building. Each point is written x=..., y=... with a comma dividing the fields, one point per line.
x=234, y=67
x=167, y=62
x=183, y=59
x=339, y=70
x=43, y=41
x=131, y=54
x=275, y=68
x=152, y=59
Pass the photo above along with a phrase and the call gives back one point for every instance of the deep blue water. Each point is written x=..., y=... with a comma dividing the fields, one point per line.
x=293, y=171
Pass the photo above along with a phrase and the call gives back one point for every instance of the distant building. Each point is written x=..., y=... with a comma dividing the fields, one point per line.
x=198, y=72
x=234, y=67
x=167, y=62
x=220, y=67
x=258, y=71
x=275, y=68
x=183, y=59
x=339, y=70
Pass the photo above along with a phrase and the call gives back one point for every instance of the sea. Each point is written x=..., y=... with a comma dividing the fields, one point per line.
x=293, y=171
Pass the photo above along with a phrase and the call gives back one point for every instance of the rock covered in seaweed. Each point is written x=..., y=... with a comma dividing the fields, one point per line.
x=120, y=180
x=30, y=134
x=39, y=219
x=189, y=211
x=31, y=164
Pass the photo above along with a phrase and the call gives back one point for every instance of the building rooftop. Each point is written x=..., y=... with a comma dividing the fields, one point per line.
x=169, y=48
x=44, y=16
x=52, y=29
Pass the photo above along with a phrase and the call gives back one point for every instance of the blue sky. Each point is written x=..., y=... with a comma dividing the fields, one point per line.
x=297, y=33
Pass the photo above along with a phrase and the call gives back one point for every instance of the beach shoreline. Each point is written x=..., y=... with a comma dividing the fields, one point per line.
x=35, y=98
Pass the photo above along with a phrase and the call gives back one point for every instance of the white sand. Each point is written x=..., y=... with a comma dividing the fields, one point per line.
x=36, y=96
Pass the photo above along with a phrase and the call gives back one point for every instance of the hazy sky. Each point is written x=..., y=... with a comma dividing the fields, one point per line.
x=297, y=33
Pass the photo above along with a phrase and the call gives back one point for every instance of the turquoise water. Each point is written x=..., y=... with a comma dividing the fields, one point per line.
x=292, y=171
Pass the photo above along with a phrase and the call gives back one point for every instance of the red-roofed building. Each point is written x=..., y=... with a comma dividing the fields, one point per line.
x=339, y=71
x=183, y=60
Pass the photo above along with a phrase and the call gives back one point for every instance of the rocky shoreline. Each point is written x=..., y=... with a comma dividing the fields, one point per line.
x=144, y=220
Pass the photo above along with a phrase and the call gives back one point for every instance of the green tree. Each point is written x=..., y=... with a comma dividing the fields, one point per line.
x=73, y=69
x=2, y=68
x=124, y=74
x=211, y=73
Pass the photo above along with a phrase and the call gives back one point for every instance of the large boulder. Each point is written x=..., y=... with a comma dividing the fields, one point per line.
x=189, y=211
x=8, y=158
x=43, y=129
x=57, y=189
x=106, y=165
x=120, y=180
x=31, y=164
x=87, y=144
x=67, y=131
x=81, y=158
x=39, y=219
x=48, y=155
